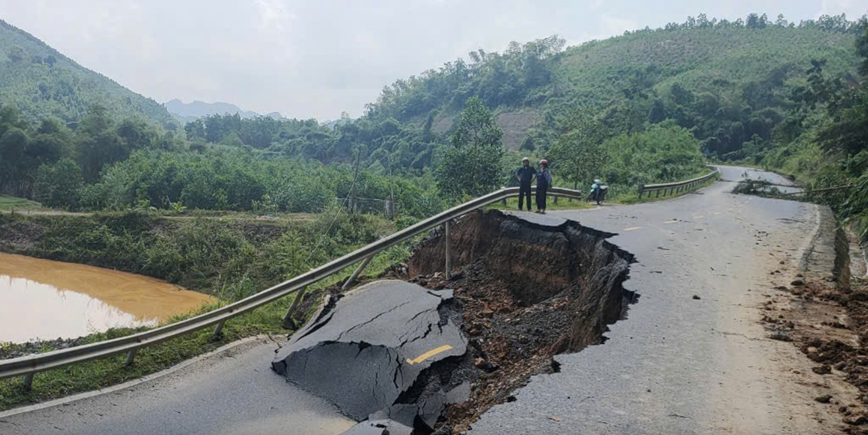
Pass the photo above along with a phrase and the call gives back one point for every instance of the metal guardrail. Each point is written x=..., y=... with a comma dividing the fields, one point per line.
x=676, y=187
x=28, y=366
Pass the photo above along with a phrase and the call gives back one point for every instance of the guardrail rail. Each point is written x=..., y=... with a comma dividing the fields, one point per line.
x=676, y=187
x=27, y=366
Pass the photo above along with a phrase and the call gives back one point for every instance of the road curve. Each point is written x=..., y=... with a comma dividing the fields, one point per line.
x=677, y=365
x=680, y=364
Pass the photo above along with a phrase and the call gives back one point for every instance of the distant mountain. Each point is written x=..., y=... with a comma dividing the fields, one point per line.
x=187, y=112
x=43, y=82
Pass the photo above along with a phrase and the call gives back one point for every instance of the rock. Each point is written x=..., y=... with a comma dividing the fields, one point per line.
x=695, y=297
x=780, y=336
x=823, y=399
x=859, y=296
x=824, y=369
x=856, y=420
x=797, y=282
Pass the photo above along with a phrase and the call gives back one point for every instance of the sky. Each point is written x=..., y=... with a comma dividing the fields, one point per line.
x=316, y=59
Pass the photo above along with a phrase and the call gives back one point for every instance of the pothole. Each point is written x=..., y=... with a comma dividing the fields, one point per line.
x=523, y=290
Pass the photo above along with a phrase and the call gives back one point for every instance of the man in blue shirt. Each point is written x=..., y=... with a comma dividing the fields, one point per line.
x=525, y=175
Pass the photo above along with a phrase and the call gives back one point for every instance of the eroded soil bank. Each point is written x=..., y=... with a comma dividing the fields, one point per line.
x=529, y=287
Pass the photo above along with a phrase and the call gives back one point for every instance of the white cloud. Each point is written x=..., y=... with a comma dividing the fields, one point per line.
x=274, y=16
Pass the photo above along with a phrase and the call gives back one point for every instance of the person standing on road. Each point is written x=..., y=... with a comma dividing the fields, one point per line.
x=525, y=175
x=543, y=182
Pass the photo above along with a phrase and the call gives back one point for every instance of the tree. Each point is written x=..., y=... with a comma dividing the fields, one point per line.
x=657, y=113
x=471, y=166
x=16, y=54
x=578, y=154
x=781, y=21
x=59, y=185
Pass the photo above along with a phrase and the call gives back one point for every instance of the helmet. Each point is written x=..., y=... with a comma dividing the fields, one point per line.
x=525, y=159
x=544, y=162
x=597, y=180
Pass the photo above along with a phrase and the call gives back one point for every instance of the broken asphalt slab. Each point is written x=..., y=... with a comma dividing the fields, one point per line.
x=387, y=350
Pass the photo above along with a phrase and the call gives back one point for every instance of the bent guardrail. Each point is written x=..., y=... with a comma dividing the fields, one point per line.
x=676, y=187
x=28, y=366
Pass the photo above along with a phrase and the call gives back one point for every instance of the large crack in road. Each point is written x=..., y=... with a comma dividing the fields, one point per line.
x=434, y=354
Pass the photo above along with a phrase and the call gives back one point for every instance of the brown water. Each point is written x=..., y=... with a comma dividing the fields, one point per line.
x=50, y=299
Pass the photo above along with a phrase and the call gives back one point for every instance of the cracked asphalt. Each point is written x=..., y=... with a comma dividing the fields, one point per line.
x=676, y=365
x=371, y=347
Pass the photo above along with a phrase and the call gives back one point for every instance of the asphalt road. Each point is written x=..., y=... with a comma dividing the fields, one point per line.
x=737, y=173
x=680, y=365
x=235, y=393
x=676, y=365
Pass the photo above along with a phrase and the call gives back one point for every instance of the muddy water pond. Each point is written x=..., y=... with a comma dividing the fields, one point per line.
x=49, y=299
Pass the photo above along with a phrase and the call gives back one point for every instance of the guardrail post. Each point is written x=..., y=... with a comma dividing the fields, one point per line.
x=219, y=328
x=448, y=255
x=287, y=318
x=28, y=381
x=356, y=273
x=131, y=356
x=641, y=190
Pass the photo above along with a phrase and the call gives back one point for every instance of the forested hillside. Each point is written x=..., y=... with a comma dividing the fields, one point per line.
x=651, y=105
x=42, y=83
x=727, y=81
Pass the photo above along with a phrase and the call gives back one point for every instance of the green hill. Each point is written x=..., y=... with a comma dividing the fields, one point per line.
x=725, y=81
x=42, y=82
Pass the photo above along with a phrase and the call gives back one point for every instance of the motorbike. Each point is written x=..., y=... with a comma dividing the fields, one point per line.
x=598, y=193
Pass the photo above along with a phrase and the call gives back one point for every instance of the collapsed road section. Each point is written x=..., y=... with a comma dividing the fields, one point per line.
x=435, y=353
x=365, y=351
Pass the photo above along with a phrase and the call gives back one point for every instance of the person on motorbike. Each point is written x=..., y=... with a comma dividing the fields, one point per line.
x=598, y=191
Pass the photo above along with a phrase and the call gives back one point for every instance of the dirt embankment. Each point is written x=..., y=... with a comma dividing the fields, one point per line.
x=824, y=312
x=528, y=292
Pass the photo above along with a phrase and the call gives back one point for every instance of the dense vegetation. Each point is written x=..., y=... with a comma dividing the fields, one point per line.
x=224, y=257
x=44, y=83
x=650, y=105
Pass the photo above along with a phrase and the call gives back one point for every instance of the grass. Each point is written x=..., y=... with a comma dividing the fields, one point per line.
x=11, y=202
x=105, y=372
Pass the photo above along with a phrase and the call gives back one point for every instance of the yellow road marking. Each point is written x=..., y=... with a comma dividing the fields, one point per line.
x=428, y=354
x=699, y=216
x=631, y=228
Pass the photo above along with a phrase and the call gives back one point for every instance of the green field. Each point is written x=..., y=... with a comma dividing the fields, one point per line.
x=11, y=202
